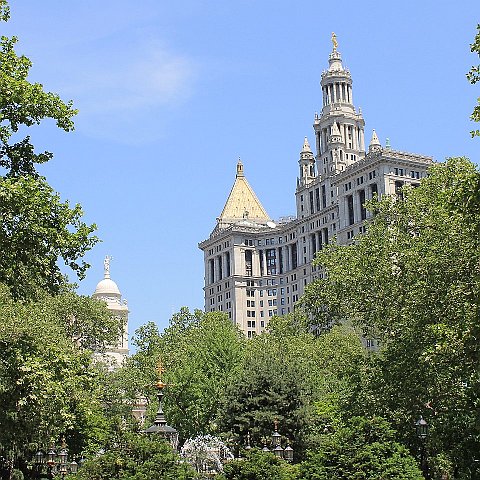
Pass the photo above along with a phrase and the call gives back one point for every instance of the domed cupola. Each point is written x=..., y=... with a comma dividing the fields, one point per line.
x=107, y=289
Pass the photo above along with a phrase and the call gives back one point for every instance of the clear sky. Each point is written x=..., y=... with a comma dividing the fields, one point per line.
x=172, y=93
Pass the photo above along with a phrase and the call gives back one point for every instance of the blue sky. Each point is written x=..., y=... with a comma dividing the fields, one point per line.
x=171, y=94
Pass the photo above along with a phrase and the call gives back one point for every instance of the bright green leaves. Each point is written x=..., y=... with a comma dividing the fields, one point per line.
x=24, y=104
x=4, y=11
x=413, y=282
x=136, y=456
x=37, y=229
x=46, y=379
x=360, y=449
x=473, y=77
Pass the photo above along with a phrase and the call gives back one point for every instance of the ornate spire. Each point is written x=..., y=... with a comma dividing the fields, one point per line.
x=374, y=143
x=160, y=424
x=240, y=168
x=306, y=146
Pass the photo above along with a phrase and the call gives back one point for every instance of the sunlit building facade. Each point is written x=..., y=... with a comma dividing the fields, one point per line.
x=256, y=267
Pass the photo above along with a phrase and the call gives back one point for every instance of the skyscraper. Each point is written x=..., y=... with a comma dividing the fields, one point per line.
x=256, y=268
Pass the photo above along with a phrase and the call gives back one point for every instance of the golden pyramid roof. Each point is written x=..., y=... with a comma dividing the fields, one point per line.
x=242, y=203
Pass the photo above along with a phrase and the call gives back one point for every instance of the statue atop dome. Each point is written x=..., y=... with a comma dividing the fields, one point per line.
x=106, y=266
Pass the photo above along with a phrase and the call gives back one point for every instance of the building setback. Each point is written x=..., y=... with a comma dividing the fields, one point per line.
x=256, y=268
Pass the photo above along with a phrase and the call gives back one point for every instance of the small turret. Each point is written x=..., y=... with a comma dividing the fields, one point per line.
x=374, y=143
x=307, y=164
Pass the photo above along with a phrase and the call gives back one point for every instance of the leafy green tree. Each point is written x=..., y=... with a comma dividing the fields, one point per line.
x=293, y=376
x=49, y=384
x=361, y=449
x=23, y=104
x=412, y=281
x=36, y=228
x=199, y=351
x=474, y=76
x=136, y=456
x=259, y=465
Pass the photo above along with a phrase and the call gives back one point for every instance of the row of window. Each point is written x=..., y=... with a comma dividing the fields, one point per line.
x=218, y=248
x=404, y=173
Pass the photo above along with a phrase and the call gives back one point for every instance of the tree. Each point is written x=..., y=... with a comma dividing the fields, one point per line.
x=362, y=448
x=36, y=228
x=136, y=456
x=293, y=376
x=412, y=281
x=474, y=76
x=49, y=384
x=259, y=466
x=23, y=104
x=199, y=351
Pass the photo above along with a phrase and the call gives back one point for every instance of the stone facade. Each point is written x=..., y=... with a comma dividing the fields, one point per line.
x=256, y=268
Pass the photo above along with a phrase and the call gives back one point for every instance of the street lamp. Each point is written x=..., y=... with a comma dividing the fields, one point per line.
x=277, y=449
x=421, y=427
x=56, y=463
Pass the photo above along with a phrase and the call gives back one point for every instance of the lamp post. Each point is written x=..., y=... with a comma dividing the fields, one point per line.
x=55, y=463
x=160, y=424
x=421, y=427
x=276, y=444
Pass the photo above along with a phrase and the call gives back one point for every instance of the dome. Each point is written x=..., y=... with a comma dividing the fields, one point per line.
x=107, y=287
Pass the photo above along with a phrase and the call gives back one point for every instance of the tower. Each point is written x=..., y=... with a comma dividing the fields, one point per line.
x=339, y=130
x=107, y=290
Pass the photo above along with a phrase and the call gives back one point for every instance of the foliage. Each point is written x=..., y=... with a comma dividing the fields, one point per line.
x=362, y=448
x=23, y=104
x=136, y=456
x=49, y=384
x=290, y=375
x=259, y=465
x=199, y=352
x=474, y=76
x=36, y=228
x=412, y=281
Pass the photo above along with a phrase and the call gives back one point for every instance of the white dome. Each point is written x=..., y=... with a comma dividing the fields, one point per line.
x=107, y=287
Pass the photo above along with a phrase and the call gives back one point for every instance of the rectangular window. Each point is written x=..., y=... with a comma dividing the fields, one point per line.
x=248, y=263
x=361, y=199
x=351, y=214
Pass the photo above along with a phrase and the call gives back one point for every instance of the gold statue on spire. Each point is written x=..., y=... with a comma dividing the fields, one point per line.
x=160, y=370
x=334, y=41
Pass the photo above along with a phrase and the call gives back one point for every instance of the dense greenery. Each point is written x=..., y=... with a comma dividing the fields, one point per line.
x=259, y=465
x=200, y=352
x=412, y=282
x=292, y=376
x=49, y=383
x=361, y=449
x=136, y=456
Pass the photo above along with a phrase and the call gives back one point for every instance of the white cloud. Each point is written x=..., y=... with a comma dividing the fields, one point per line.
x=119, y=86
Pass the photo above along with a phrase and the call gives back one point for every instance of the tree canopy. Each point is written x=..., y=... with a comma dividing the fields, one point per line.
x=412, y=282
x=36, y=228
x=360, y=449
